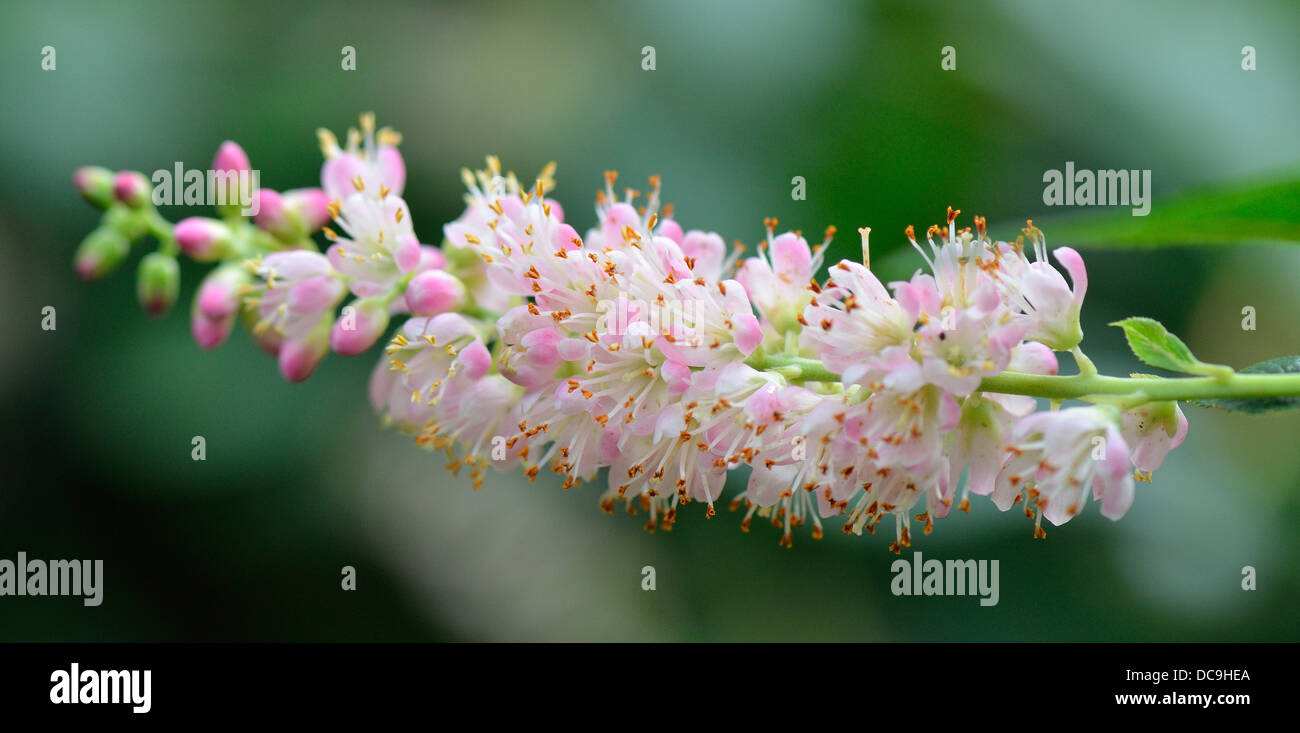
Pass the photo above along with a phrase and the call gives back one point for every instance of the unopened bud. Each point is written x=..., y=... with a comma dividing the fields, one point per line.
x=293, y=215
x=206, y=240
x=268, y=339
x=433, y=292
x=219, y=293
x=298, y=359
x=232, y=166
x=216, y=305
x=131, y=188
x=100, y=253
x=360, y=325
x=158, y=281
x=230, y=157
x=95, y=185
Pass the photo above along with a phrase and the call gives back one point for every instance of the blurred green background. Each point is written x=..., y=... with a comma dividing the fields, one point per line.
x=300, y=480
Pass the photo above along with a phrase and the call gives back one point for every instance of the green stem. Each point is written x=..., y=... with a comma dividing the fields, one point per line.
x=793, y=368
x=1086, y=367
x=161, y=229
x=799, y=369
x=1178, y=388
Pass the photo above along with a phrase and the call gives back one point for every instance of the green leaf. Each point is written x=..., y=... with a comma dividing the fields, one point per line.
x=1155, y=346
x=1257, y=405
x=1257, y=211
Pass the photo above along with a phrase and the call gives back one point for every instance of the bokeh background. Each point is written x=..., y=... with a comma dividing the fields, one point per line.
x=300, y=480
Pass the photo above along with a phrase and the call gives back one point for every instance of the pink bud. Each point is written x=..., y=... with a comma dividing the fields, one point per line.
x=203, y=239
x=210, y=333
x=434, y=291
x=218, y=295
x=671, y=229
x=298, y=359
x=359, y=326
x=292, y=215
x=230, y=157
x=270, y=209
x=312, y=204
x=431, y=258
x=131, y=188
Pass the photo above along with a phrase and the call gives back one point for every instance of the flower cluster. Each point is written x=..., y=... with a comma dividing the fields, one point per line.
x=656, y=359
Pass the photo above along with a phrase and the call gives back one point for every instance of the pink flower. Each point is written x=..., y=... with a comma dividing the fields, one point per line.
x=299, y=289
x=854, y=325
x=1153, y=430
x=778, y=282
x=370, y=164
x=377, y=246
x=1056, y=457
x=639, y=354
x=1052, y=307
x=425, y=355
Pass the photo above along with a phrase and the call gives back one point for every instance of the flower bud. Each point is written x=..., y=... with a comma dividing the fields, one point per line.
x=230, y=157
x=268, y=339
x=293, y=215
x=209, y=333
x=1153, y=430
x=206, y=240
x=100, y=253
x=431, y=258
x=231, y=161
x=158, y=282
x=219, y=294
x=361, y=324
x=216, y=305
x=433, y=292
x=132, y=189
x=95, y=185
x=312, y=205
x=298, y=359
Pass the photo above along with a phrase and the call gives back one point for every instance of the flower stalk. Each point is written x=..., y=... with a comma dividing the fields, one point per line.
x=1083, y=387
x=666, y=365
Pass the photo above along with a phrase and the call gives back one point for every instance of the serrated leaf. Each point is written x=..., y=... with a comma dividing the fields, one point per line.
x=1155, y=346
x=1241, y=212
x=1257, y=405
